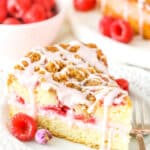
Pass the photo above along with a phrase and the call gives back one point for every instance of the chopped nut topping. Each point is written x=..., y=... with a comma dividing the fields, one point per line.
x=52, y=48
x=91, y=97
x=92, y=82
x=25, y=63
x=91, y=69
x=60, y=64
x=59, y=78
x=64, y=45
x=34, y=56
x=19, y=67
x=99, y=54
x=101, y=57
x=91, y=45
x=74, y=48
x=73, y=85
x=36, y=68
x=11, y=79
x=77, y=74
x=51, y=67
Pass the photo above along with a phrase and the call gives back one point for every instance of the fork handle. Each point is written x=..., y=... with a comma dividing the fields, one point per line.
x=140, y=140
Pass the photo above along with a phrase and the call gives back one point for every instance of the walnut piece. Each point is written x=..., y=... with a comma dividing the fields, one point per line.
x=25, y=63
x=64, y=45
x=74, y=48
x=52, y=48
x=51, y=67
x=73, y=85
x=91, y=97
x=91, y=45
x=19, y=67
x=34, y=56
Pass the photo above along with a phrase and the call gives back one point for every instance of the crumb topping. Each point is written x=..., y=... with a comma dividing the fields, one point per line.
x=79, y=67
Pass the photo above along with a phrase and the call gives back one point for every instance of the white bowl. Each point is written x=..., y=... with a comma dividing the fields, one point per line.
x=17, y=40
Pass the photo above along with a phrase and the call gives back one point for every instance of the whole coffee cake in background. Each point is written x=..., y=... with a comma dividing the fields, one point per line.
x=68, y=90
x=136, y=12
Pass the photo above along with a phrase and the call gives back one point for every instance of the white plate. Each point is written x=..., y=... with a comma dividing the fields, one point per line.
x=139, y=90
x=85, y=28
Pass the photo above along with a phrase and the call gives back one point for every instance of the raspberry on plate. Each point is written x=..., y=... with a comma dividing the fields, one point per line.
x=11, y=20
x=84, y=5
x=121, y=30
x=34, y=14
x=17, y=8
x=104, y=25
x=123, y=83
x=3, y=10
x=23, y=127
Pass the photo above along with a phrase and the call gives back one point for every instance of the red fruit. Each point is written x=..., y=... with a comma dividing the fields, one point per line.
x=123, y=83
x=84, y=5
x=17, y=8
x=3, y=10
x=48, y=4
x=121, y=30
x=20, y=100
x=79, y=117
x=104, y=25
x=23, y=127
x=60, y=109
x=34, y=14
x=11, y=20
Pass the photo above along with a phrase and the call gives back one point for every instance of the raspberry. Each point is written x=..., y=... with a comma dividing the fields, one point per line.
x=17, y=8
x=23, y=127
x=84, y=5
x=3, y=10
x=11, y=20
x=123, y=83
x=104, y=25
x=60, y=109
x=121, y=30
x=34, y=14
x=48, y=4
x=20, y=100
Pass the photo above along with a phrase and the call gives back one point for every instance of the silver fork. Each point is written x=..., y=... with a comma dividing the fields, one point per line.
x=139, y=128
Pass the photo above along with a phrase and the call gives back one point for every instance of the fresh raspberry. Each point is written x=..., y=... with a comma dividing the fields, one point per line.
x=20, y=100
x=123, y=83
x=48, y=4
x=84, y=5
x=11, y=20
x=121, y=30
x=34, y=14
x=104, y=25
x=23, y=127
x=3, y=10
x=17, y=8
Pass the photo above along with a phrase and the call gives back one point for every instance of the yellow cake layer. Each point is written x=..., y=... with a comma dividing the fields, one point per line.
x=118, y=114
x=115, y=9
x=88, y=136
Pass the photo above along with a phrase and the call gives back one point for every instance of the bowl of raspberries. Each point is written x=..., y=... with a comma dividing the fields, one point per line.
x=25, y=24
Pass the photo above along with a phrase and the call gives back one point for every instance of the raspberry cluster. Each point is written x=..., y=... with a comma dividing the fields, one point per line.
x=26, y=11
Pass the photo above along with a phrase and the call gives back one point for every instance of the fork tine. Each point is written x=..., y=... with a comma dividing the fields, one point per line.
x=142, y=114
x=134, y=116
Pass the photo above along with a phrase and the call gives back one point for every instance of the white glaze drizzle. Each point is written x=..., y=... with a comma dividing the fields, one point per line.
x=141, y=15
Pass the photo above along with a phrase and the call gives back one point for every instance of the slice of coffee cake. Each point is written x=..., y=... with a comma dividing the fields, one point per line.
x=69, y=91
